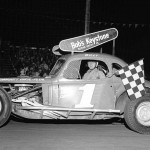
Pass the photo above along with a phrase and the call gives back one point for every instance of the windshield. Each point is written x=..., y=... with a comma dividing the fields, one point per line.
x=57, y=67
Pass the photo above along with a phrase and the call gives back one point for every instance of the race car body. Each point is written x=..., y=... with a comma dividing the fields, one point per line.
x=65, y=94
x=64, y=87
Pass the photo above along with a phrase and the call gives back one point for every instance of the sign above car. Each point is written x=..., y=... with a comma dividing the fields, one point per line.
x=88, y=41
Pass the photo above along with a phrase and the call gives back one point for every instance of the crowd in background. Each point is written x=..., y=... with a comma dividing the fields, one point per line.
x=31, y=61
x=35, y=62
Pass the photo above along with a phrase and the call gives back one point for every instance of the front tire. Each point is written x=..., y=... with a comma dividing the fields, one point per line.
x=5, y=107
x=137, y=115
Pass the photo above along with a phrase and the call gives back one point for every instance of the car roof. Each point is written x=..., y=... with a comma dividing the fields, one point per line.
x=89, y=55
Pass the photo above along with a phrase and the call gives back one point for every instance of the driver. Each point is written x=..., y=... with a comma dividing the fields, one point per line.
x=93, y=72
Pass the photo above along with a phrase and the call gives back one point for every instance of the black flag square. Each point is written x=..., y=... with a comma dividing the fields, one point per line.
x=133, y=79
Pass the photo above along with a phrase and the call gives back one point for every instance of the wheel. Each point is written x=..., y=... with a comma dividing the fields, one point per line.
x=137, y=115
x=5, y=107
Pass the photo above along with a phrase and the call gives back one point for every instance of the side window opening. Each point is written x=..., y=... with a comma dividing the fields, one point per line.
x=115, y=67
x=78, y=68
x=100, y=66
x=83, y=68
x=103, y=67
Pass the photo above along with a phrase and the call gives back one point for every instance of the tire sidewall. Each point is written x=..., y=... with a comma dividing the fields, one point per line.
x=131, y=118
x=5, y=107
x=145, y=99
x=2, y=107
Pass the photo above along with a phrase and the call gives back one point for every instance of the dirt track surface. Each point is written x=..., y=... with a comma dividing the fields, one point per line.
x=70, y=136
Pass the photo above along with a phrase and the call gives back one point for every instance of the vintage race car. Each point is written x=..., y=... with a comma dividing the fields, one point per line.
x=64, y=94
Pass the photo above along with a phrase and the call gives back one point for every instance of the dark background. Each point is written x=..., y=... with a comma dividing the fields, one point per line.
x=45, y=23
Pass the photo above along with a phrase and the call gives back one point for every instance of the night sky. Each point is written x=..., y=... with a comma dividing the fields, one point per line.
x=47, y=22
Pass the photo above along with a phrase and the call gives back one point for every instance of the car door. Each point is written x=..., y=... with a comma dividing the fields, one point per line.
x=76, y=92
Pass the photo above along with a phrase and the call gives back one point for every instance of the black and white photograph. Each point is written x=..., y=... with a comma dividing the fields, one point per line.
x=74, y=75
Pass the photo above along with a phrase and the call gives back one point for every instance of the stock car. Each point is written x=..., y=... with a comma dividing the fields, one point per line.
x=64, y=94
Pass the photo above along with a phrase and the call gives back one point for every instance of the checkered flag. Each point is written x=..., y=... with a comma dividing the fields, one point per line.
x=133, y=79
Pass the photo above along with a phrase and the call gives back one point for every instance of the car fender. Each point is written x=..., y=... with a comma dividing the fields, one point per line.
x=147, y=85
x=123, y=98
x=121, y=102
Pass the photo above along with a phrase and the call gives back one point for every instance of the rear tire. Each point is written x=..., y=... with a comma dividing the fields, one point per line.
x=137, y=115
x=5, y=107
